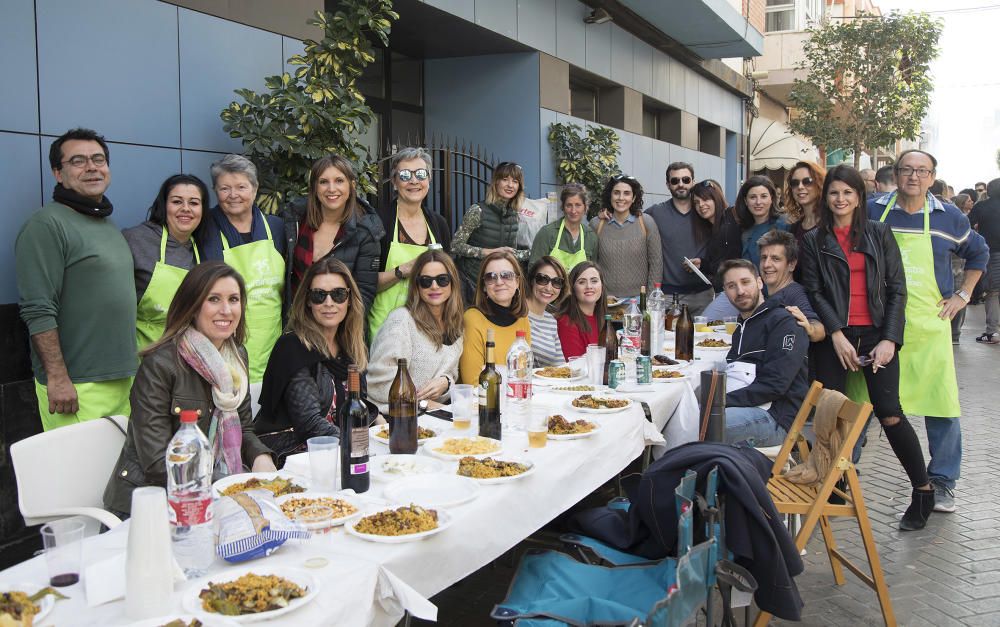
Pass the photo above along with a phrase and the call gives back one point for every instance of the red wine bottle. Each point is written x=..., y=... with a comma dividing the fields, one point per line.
x=353, y=421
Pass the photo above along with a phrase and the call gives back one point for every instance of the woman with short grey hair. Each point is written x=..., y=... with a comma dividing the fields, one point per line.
x=238, y=232
x=410, y=229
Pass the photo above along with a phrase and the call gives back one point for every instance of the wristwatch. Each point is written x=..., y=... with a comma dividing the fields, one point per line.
x=963, y=295
x=399, y=274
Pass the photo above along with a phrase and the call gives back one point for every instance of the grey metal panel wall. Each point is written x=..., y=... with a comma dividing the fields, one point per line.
x=22, y=196
x=622, y=55
x=599, y=48
x=465, y=9
x=498, y=15
x=642, y=67
x=571, y=32
x=18, y=70
x=536, y=24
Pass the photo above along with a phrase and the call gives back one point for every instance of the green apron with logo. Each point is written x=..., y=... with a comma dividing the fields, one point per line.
x=927, y=382
x=568, y=260
x=151, y=312
x=394, y=296
x=96, y=399
x=263, y=270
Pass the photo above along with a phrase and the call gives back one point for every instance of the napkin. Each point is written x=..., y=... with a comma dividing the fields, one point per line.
x=104, y=581
x=391, y=592
x=298, y=464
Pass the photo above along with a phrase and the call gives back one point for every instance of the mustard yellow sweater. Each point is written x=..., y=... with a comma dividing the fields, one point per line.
x=474, y=347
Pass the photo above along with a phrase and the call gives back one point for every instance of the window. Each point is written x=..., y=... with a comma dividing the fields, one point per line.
x=791, y=15
x=583, y=102
x=650, y=123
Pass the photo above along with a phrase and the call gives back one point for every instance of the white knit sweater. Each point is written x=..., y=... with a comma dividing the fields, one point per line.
x=399, y=338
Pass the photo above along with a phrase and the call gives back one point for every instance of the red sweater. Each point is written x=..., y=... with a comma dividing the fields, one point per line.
x=574, y=341
x=858, y=314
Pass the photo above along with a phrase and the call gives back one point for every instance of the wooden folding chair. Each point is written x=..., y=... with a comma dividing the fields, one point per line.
x=812, y=501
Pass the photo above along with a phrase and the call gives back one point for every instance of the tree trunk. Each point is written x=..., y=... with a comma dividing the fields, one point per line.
x=857, y=157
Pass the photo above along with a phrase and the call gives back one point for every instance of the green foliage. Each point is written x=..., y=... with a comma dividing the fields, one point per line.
x=868, y=82
x=316, y=111
x=588, y=157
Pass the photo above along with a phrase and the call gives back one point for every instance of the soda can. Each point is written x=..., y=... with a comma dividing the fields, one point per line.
x=644, y=370
x=616, y=373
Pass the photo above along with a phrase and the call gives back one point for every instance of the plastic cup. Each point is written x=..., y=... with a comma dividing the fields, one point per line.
x=63, y=542
x=701, y=324
x=578, y=366
x=538, y=426
x=464, y=405
x=731, y=323
x=595, y=363
x=324, y=462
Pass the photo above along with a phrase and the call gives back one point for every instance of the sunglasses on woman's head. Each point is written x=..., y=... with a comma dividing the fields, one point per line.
x=674, y=180
x=807, y=182
x=544, y=279
x=507, y=163
x=425, y=281
x=338, y=294
x=421, y=174
x=496, y=277
x=622, y=177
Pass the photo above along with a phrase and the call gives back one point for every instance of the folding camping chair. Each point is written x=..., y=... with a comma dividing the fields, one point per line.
x=812, y=501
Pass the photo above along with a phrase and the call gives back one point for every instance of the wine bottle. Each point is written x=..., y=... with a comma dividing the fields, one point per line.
x=684, y=337
x=353, y=421
x=610, y=343
x=490, y=384
x=402, y=412
x=645, y=333
x=672, y=314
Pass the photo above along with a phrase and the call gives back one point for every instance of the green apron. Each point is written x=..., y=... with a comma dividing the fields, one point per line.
x=96, y=399
x=927, y=382
x=263, y=270
x=151, y=312
x=568, y=260
x=395, y=295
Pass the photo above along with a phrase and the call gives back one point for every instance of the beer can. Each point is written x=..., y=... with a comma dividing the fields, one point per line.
x=644, y=370
x=616, y=373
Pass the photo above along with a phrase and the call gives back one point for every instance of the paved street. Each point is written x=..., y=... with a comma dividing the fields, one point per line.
x=947, y=574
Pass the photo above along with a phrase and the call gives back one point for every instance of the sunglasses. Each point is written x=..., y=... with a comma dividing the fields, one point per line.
x=495, y=277
x=806, y=182
x=421, y=174
x=622, y=177
x=544, y=279
x=338, y=294
x=425, y=281
x=674, y=180
x=510, y=164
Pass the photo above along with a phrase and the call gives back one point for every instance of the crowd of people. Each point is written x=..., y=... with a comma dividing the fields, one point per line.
x=845, y=278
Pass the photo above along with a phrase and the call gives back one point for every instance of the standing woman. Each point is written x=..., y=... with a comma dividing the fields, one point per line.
x=409, y=229
x=546, y=279
x=500, y=304
x=336, y=223
x=569, y=240
x=253, y=243
x=164, y=250
x=427, y=332
x=582, y=316
x=490, y=226
x=628, y=244
x=718, y=225
x=803, y=189
x=757, y=210
x=854, y=275
x=199, y=363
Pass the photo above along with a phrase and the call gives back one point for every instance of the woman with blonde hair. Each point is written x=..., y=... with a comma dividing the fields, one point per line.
x=306, y=377
x=427, y=332
x=199, y=363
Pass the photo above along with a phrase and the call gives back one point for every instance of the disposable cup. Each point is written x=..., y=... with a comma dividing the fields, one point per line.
x=63, y=543
x=464, y=405
x=324, y=462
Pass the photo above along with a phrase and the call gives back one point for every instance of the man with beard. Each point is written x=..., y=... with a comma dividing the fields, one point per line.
x=767, y=370
x=675, y=221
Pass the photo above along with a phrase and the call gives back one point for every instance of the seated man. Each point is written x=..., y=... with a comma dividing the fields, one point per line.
x=767, y=371
x=779, y=254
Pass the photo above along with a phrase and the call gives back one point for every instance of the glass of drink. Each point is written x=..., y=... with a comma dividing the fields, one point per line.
x=731, y=323
x=538, y=426
x=578, y=366
x=701, y=324
x=324, y=462
x=63, y=542
x=464, y=405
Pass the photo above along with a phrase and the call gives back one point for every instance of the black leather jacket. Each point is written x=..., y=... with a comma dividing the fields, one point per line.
x=827, y=279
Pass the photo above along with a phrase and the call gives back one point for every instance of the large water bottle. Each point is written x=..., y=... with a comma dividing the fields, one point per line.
x=189, y=496
x=657, y=305
x=631, y=344
x=520, y=370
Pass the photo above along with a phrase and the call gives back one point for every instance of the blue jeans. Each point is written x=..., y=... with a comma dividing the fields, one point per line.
x=754, y=425
x=944, y=439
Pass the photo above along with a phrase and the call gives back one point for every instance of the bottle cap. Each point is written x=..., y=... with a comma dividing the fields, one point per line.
x=489, y=335
x=657, y=285
x=189, y=415
x=520, y=334
x=401, y=362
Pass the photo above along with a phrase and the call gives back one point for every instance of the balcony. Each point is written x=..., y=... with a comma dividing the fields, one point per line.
x=782, y=52
x=711, y=29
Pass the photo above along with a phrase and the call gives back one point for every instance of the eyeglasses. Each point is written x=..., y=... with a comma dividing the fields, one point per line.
x=78, y=161
x=921, y=173
x=421, y=174
x=425, y=281
x=805, y=182
x=622, y=177
x=495, y=277
x=544, y=279
x=674, y=180
x=338, y=294
x=509, y=164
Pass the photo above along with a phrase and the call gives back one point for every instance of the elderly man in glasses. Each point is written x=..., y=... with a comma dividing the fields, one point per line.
x=928, y=233
x=76, y=290
x=678, y=240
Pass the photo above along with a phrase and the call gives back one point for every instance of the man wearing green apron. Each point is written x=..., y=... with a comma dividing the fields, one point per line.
x=569, y=240
x=928, y=232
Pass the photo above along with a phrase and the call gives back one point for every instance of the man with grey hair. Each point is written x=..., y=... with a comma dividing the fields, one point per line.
x=868, y=176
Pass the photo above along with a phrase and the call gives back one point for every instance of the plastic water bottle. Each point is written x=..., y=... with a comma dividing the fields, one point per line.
x=189, y=497
x=657, y=305
x=520, y=370
x=631, y=344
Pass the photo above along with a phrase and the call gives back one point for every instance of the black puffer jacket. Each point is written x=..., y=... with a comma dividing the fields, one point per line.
x=359, y=249
x=827, y=279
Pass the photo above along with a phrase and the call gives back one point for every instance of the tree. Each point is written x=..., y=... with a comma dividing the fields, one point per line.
x=868, y=81
x=318, y=110
x=588, y=157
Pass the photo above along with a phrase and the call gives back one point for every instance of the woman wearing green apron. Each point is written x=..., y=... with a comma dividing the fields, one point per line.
x=164, y=250
x=409, y=231
x=569, y=240
x=240, y=234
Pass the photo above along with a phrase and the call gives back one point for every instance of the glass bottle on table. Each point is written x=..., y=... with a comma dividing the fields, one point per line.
x=403, y=428
x=673, y=313
x=609, y=340
x=645, y=333
x=353, y=419
x=684, y=336
x=490, y=384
